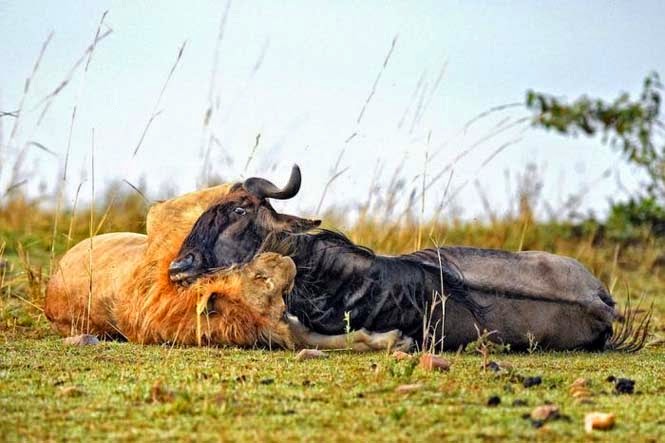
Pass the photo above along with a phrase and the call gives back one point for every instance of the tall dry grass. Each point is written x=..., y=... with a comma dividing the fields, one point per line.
x=392, y=219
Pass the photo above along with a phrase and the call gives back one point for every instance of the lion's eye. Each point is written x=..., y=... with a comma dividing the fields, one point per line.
x=240, y=211
x=259, y=275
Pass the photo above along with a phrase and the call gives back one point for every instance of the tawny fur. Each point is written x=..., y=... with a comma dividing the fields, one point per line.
x=130, y=295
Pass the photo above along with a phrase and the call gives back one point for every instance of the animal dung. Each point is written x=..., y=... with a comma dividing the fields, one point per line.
x=401, y=355
x=408, y=389
x=624, y=386
x=81, y=340
x=309, y=354
x=431, y=362
x=599, y=421
x=494, y=400
x=532, y=381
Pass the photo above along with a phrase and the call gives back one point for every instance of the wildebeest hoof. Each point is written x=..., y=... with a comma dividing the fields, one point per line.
x=81, y=340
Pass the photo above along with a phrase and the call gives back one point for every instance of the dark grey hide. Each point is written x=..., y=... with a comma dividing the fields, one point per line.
x=524, y=297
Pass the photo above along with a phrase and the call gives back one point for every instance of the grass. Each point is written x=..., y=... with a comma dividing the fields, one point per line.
x=49, y=391
x=211, y=394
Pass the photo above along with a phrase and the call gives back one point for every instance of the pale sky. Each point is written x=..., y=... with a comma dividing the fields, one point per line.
x=299, y=72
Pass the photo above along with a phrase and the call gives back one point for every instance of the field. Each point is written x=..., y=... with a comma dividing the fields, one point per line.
x=50, y=391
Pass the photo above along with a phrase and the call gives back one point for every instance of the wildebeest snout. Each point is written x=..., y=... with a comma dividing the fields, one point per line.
x=183, y=268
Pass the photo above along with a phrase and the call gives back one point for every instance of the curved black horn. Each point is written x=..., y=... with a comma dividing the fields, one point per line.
x=263, y=188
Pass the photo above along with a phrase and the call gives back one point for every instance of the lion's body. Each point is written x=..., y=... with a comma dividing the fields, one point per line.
x=96, y=279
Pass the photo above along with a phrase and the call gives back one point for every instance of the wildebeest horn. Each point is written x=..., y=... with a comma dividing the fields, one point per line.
x=263, y=188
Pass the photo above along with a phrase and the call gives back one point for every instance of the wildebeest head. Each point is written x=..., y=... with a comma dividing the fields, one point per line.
x=232, y=231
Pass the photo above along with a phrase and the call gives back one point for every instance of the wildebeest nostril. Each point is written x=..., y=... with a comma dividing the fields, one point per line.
x=178, y=266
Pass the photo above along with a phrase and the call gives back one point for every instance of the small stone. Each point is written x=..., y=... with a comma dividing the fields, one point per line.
x=309, y=354
x=430, y=362
x=81, y=340
x=401, y=355
x=494, y=400
x=267, y=381
x=544, y=413
x=532, y=381
x=599, y=420
x=408, y=389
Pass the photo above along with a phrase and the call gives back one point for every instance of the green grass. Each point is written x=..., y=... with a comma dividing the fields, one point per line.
x=231, y=394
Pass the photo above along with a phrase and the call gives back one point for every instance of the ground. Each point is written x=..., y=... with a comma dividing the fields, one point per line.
x=122, y=391
x=49, y=391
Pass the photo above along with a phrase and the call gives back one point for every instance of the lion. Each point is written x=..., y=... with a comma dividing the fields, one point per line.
x=116, y=286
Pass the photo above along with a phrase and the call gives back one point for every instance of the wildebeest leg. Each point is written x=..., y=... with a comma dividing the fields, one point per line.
x=361, y=340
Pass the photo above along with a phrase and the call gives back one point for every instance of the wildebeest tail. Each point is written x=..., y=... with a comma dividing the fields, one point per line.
x=633, y=329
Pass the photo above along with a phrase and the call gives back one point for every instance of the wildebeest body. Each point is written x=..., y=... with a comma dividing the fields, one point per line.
x=526, y=298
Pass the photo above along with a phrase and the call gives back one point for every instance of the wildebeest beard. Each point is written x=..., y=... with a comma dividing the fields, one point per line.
x=336, y=278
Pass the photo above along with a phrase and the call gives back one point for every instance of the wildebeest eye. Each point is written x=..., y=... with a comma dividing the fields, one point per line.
x=240, y=211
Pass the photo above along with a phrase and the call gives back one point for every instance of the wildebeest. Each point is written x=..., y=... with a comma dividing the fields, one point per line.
x=117, y=286
x=522, y=299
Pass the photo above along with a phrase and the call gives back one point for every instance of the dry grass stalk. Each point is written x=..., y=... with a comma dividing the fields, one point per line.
x=377, y=79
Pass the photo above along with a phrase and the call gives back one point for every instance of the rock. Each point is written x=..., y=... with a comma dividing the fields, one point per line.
x=81, y=340
x=544, y=413
x=599, y=420
x=430, y=362
x=309, y=354
x=408, y=389
x=401, y=355
x=494, y=400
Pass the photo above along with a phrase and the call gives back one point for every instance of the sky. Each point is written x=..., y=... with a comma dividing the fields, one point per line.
x=297, y=75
